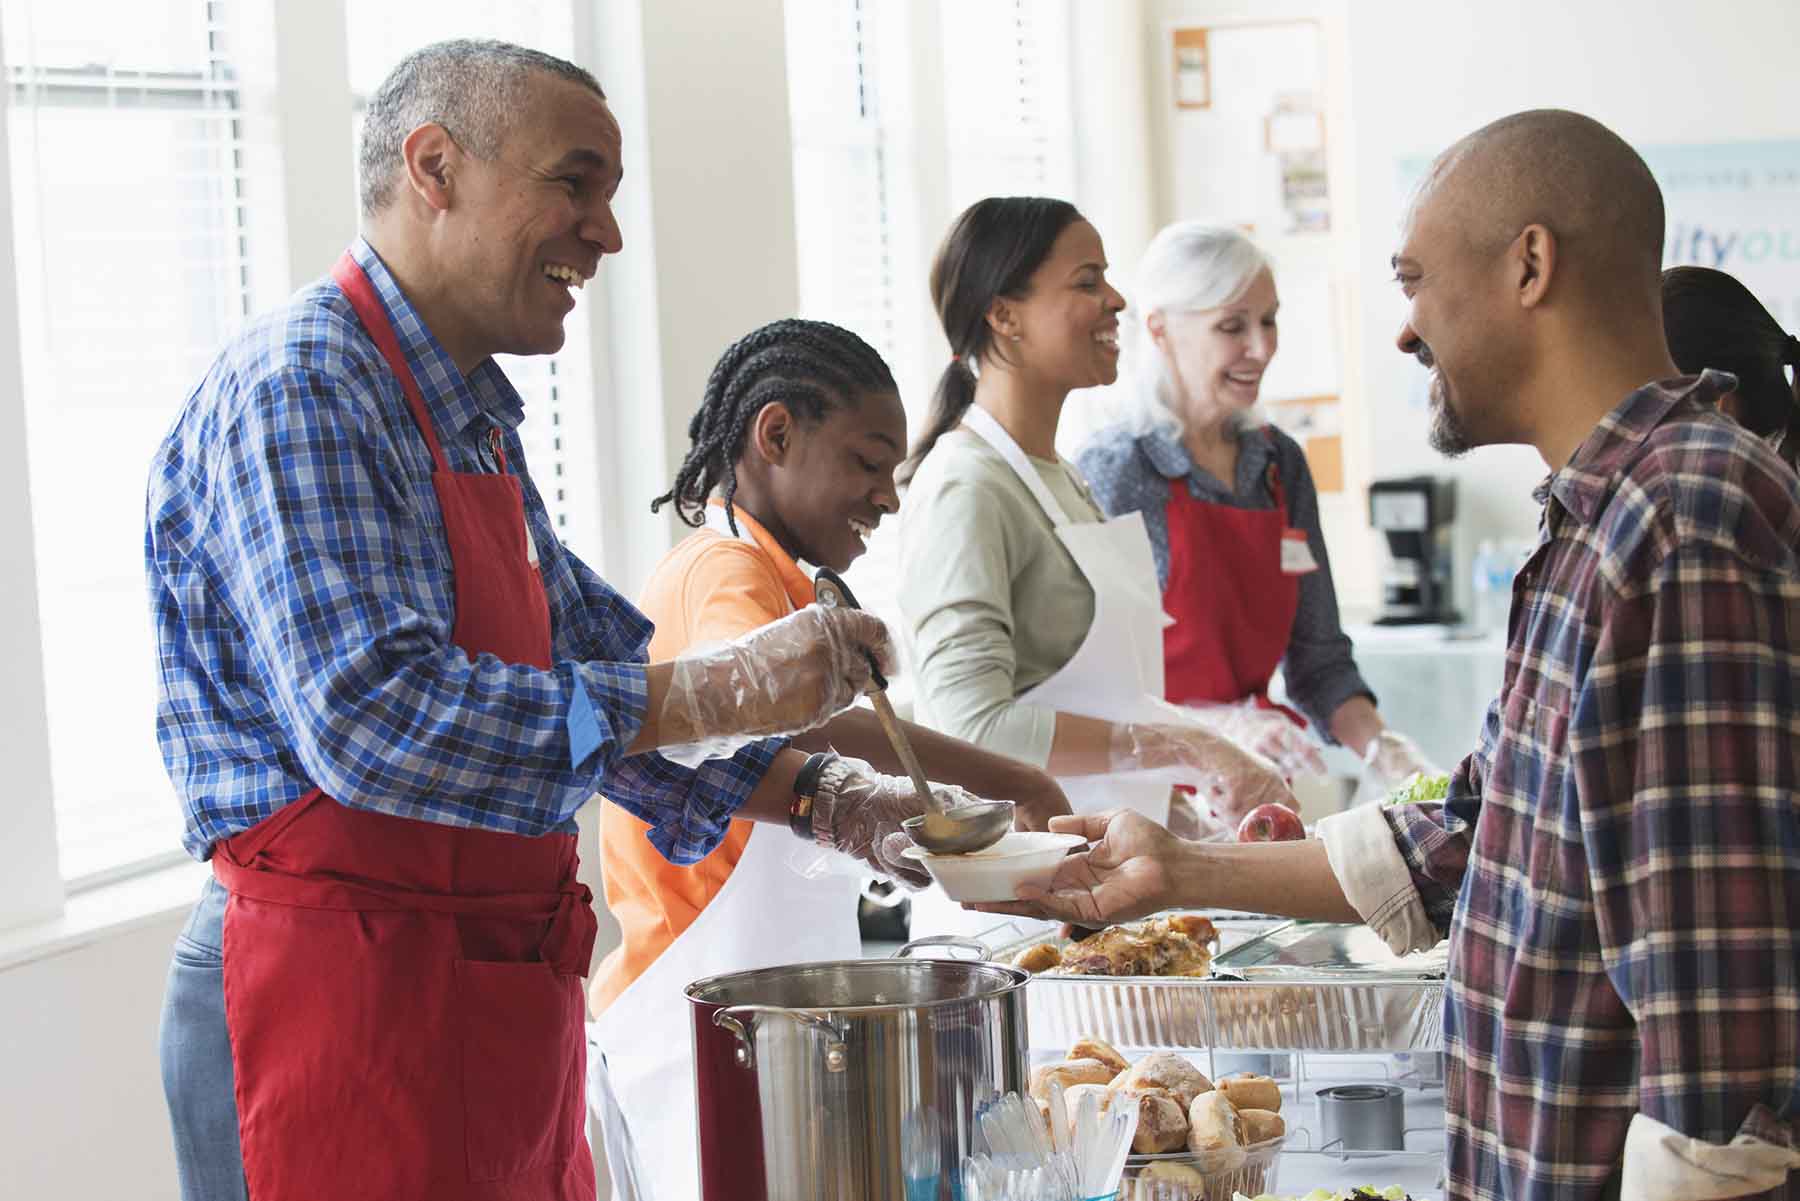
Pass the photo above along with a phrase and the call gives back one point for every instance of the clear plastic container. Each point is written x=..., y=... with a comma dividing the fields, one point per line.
x=1202, y=1175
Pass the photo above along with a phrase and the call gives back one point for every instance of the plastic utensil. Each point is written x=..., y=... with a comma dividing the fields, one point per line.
x=940, y=830
x=1059, y=1117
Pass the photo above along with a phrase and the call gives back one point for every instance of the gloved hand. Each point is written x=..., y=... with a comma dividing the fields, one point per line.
x=1231, y=781
x=1390, y=759
x=858, y=811
x=1266, y=732
x=783, y=678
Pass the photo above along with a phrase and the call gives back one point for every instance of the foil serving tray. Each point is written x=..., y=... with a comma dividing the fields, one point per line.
x=1275, y=986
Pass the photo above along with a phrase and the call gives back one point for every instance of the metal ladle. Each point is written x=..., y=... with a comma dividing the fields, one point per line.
x=940, y=830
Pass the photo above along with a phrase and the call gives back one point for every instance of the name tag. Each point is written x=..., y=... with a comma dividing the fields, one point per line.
x=1296, y=553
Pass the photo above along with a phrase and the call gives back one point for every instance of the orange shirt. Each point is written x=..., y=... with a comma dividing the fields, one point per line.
x=710, y=588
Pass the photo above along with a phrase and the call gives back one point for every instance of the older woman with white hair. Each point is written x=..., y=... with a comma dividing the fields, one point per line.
x=1232, y=511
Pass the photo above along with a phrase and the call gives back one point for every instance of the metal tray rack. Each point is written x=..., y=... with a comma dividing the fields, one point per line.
x=1275, y=986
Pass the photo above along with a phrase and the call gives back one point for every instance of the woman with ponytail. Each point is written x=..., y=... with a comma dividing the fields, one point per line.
x=1036, y=623
x=1712, y=320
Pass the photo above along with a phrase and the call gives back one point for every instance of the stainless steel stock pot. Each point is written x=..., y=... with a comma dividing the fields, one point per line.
x=855, y=1080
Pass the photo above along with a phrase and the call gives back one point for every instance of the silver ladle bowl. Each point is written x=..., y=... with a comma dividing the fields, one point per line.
x=963, y=830
x=940, y=829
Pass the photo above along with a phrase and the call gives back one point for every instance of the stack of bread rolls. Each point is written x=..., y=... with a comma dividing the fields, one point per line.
x=1178, y=1107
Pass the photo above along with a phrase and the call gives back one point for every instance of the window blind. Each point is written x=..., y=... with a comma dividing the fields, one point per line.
x=131, y=159
x=841, y=168
x=1007, y=99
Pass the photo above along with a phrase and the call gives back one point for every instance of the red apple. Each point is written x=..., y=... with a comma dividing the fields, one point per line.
x=1270, y=823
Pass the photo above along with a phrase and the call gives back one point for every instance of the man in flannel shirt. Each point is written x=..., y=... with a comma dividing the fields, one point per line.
x=1617, y=866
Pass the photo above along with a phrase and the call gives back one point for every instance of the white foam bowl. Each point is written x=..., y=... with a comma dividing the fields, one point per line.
x=995, y=873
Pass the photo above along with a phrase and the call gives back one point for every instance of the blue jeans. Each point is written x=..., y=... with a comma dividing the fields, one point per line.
x=196, y=1059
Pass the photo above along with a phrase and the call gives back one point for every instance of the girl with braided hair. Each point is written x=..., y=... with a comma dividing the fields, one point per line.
x=792, y=462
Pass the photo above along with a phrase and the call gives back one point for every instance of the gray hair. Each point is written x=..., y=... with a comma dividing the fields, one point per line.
x=475, y=89
x=1188, y=267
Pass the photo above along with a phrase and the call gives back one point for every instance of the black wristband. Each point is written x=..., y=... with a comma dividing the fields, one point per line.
x=806, y=787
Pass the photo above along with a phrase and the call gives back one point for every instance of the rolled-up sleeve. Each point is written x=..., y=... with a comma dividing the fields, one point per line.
x=1401, y=866
x=688, y=808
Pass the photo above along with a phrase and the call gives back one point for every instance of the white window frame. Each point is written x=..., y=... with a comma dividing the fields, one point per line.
x=309, y=196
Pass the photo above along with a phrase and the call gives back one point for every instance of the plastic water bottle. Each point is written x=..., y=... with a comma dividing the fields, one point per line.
x=1488, y=582
x=1492, y=577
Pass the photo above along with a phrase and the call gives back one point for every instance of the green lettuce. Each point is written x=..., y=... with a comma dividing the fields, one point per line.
x=1420, y=786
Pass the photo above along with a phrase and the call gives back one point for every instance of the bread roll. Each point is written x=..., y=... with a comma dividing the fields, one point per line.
x=1162, y=1126
x=1248, y=1091
x=1215, y=1133
x=1168, y=1072
x=1093, y=1048
x=1071, y=1073
x=1261, y=1125
x=1040, y=958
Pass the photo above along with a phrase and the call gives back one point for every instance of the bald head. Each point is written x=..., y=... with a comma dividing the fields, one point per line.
x=1530, y=259
x=1567, y=173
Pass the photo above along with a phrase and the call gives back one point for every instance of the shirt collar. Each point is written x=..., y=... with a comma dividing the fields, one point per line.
x=794, y=579
x=1584, y=482
x=1166, y=453
x=452, y=399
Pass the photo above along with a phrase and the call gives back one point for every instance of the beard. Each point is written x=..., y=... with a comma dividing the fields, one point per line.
x=1447, y=435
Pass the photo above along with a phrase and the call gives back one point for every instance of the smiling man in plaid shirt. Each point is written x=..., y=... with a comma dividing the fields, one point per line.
x=1617, y=866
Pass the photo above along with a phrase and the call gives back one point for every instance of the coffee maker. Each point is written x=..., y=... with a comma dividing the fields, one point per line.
x=1414, y=515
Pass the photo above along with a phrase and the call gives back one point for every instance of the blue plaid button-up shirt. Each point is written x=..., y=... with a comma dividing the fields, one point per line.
x=300, y=584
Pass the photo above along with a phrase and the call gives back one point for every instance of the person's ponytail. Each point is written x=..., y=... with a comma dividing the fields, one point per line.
x=954, y=393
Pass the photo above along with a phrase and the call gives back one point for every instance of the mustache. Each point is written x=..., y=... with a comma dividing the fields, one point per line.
x=1425, y=357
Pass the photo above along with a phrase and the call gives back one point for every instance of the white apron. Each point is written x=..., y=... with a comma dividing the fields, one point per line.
x=1116, y=674
x=643, y=1092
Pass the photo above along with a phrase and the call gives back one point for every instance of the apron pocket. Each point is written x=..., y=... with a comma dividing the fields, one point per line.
x=522, y=1066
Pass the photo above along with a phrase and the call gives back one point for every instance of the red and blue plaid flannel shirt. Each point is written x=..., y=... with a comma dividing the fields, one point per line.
x=1618, y=865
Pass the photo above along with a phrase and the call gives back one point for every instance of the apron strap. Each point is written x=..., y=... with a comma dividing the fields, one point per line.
x=1273, y=476
x=982, y=424
x=719, y=523
x=354, y=283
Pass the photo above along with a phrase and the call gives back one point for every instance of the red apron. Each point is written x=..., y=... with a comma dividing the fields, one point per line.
x=404, y=998
x=1232, y=601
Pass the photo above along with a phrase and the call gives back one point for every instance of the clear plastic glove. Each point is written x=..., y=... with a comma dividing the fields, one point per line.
x=1390, y=759
x=786, y=677
x=1266, y=732
x=1231, y=781
x=1193, y=823
x=858, y=812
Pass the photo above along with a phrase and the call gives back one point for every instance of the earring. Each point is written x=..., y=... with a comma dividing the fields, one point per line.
x=1017, y=338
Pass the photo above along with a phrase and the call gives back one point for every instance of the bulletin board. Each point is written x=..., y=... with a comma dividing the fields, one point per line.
x=1250, y=144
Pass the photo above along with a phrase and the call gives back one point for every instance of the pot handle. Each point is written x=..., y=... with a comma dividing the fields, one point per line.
x=740, y=1020
x=944, y=940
